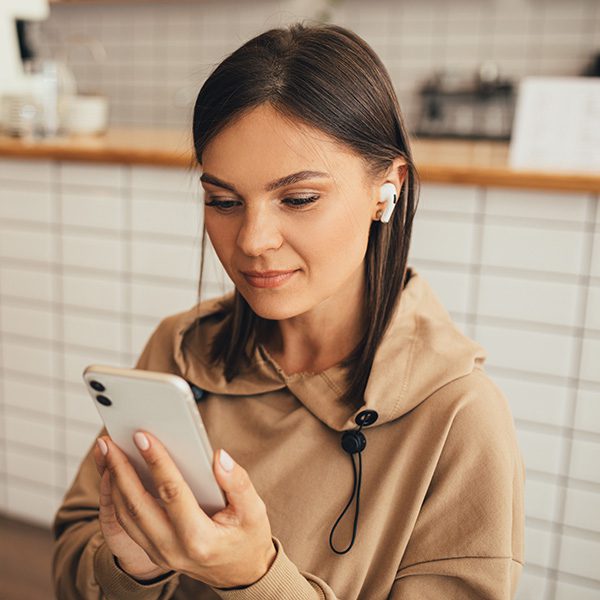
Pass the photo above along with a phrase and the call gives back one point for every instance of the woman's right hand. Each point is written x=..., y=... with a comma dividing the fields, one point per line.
x=131, y=557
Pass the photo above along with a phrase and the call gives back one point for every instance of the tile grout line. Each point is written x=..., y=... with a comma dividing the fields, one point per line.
x=545, y=525
x=550, y=573
x=567, y=437
x=3, y=444
x=126, y=281
x=475, y=268
x=59, y=338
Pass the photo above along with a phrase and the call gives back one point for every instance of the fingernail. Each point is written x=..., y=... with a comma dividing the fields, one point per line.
x=102, y=445
x=226, y=460
x=141, y=441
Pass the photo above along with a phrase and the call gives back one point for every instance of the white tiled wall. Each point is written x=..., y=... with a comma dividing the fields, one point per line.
x=520, y=280
x=159, y=53
x=92, y=256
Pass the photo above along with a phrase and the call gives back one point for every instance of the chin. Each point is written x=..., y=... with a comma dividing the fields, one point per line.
x=273, y=306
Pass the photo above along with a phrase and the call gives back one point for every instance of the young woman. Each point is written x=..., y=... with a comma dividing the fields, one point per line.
x=368, y=454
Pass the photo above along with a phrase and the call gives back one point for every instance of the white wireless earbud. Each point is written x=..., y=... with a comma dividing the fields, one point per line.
x=388, y=195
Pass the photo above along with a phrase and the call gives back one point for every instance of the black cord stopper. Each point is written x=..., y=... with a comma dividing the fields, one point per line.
x=196, y=391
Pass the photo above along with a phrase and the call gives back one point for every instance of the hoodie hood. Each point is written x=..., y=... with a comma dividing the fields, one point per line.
x=421, y=351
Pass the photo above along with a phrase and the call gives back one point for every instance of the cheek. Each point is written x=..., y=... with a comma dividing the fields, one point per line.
x=222, y=237
x=334, y=245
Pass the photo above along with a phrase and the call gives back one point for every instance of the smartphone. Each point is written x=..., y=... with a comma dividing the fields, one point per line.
x=162, y=404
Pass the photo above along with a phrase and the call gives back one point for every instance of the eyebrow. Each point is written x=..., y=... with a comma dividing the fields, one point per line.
x=273, y=185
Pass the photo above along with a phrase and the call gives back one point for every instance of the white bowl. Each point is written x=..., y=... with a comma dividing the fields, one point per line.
x=84, y=114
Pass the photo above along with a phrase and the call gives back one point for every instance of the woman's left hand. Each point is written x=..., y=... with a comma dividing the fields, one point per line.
x=232, y=548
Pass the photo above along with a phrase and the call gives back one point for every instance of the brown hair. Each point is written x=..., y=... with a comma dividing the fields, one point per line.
x=328, y=77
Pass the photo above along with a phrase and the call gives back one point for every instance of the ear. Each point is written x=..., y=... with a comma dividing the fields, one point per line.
x=396, y=174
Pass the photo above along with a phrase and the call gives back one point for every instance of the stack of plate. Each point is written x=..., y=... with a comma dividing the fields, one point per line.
x=18, y=114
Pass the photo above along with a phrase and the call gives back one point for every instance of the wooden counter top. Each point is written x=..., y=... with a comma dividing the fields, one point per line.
x=442, y=161
x=166, y=147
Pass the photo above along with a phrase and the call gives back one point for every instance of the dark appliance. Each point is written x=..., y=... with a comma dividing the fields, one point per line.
x=467, y=106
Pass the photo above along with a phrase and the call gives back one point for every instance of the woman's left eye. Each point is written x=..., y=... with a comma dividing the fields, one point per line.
x=228, y=205
x=299, y=202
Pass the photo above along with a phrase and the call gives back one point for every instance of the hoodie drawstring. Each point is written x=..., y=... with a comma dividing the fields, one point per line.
x=354, y=442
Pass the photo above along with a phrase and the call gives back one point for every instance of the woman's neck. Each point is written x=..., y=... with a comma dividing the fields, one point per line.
x=325, y=335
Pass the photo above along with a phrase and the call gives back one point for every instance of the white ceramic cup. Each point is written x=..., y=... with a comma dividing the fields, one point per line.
x=84, y=114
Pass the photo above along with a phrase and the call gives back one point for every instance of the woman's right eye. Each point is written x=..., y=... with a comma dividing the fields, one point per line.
x=222, y=205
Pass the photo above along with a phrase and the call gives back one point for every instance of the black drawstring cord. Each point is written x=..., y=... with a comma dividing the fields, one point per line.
x=355, y=490
x=354, y=442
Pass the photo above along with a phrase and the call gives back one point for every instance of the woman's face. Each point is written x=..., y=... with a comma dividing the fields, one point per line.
x=289, y=244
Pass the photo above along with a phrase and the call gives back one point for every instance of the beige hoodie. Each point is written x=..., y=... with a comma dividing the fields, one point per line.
x=441, y=502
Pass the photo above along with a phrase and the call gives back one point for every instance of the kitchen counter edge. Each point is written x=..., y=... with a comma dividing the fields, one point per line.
x=460, y=162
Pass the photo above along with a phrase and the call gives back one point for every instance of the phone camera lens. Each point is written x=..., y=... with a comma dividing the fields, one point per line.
x=103, y=400
x=97, y=386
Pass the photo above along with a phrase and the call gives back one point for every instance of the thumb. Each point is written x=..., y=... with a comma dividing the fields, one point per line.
x=235, y=482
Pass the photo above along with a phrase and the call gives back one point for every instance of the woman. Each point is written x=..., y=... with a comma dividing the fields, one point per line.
x=328, y=341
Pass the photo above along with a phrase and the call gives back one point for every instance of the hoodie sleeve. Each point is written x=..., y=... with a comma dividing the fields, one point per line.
x=468, y=538
x=83, y=568
x=283, y=581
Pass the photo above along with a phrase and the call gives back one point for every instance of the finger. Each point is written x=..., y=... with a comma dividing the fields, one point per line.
x=138, y=502
x=113, y=524
x=99, y=455
x=178, y=499
x=129, y=523
x=107, y=515
x=235, y=482
x=109, y=518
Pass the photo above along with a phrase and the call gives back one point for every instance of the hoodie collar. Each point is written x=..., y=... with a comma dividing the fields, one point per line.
x=421, y=351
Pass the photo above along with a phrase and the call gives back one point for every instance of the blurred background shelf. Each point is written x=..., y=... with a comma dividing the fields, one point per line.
x=483, y=162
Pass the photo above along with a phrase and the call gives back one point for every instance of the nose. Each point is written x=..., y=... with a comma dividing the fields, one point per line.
x=259, y=232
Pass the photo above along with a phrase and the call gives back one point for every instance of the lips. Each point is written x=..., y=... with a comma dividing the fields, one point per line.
x=267, y=273
x=266, y=279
